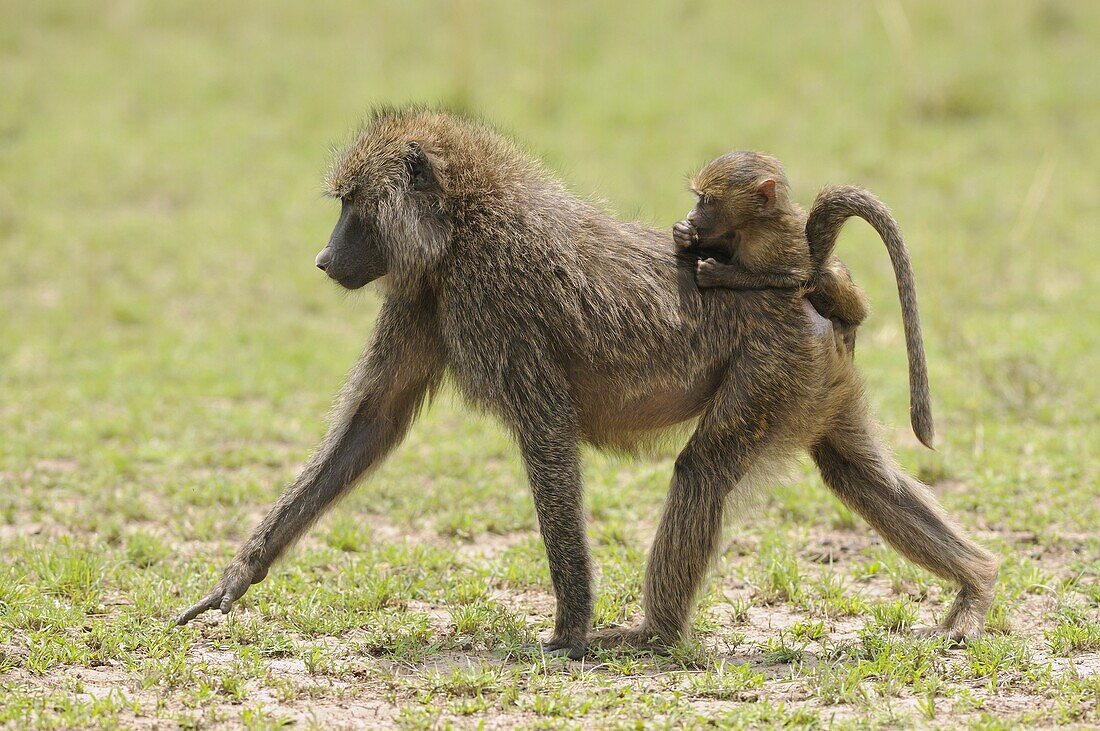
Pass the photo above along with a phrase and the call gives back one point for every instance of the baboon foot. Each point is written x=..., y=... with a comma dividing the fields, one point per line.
x=706, y=273
x=635, y=638
x=957, y=634
x=965, y=621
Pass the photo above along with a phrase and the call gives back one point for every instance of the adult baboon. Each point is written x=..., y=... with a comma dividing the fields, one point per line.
x=572, y=326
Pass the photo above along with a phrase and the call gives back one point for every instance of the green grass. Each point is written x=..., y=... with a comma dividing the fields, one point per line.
x=168, y=353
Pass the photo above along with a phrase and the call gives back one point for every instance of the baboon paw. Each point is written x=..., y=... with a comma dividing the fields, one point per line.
x=562, y=648
x=233, y=585
x=631, y=638
x=706, y=273
x=683, y=233
x=965, y=621
x=957, y=634
x=574, y=650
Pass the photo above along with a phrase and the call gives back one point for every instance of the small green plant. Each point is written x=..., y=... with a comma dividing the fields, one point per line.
x=894, y=616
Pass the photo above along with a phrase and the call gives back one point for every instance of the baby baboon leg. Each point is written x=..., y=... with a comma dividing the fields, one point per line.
x=709, y=273
x=836, y=295
x=865, y=477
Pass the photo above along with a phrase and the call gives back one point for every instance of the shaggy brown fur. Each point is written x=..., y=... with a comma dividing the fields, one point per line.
x=574, y=327
x=744, y=209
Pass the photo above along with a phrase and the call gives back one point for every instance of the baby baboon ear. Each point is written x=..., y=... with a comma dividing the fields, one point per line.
x=766, y=190
x=422, y=174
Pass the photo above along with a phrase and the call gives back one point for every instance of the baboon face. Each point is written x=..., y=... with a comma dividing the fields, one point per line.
x=392, y=213
x=715, y=216
x=354, y=256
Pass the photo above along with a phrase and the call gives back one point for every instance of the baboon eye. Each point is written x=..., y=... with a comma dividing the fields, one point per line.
x=419, y=168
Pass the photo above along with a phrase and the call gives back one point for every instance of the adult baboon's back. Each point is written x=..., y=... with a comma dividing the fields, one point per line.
x=572, y=326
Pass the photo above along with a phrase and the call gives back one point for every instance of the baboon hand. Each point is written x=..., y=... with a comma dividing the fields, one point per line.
x=234, y=583
x=684, y=234
x=706, y=273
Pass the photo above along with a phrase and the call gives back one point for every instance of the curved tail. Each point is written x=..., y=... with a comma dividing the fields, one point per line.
x=832, y=207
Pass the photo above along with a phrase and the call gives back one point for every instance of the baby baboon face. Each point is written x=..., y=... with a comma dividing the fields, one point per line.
x=714, y=220
x=733, y=190
x=392, y=218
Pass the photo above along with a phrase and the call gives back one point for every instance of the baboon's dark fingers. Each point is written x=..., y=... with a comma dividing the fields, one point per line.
x=555, y=649
x=231, y=588
x=953, y=638
x=562, y=649
x=684, y=234
x=707, y=273
x=210, y=601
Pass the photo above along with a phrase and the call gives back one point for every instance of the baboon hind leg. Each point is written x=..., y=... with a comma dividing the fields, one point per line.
x=864, y=475
x=712, y=464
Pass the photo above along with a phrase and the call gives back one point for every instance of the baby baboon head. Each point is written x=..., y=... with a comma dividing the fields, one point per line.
x=733, y=190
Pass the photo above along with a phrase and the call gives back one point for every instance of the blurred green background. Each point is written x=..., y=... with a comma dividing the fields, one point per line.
x=160, y=171
x=167, y=349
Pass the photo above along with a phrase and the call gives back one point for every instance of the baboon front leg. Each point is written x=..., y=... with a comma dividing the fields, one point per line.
x=379, y=402
x=553, y=469
x=865, y=477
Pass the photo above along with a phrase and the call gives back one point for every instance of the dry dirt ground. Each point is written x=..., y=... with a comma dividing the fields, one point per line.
x=813, y=633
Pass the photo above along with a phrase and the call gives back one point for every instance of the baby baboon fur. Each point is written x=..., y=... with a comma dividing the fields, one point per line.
x=744, y=209
x=574, y=327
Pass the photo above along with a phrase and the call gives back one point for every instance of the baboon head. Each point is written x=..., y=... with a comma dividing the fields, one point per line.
x=733, y=190
x=394, y=216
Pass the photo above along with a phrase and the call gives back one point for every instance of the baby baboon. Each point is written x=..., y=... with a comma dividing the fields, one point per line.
x=574, y=327
x=745, y=209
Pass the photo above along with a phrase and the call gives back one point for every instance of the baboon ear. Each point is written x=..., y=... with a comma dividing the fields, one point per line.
x=422, y=174
x=766, y=190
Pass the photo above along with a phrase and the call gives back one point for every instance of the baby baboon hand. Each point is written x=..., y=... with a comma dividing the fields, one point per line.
x=684, y=234
x=234, y=583
x=707, y=273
